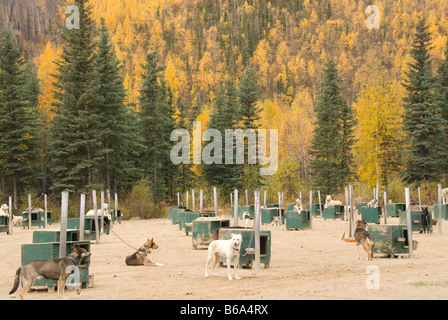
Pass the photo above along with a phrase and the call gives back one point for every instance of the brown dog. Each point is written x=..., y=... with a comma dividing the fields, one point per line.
x=363, y=238
x=143, y=255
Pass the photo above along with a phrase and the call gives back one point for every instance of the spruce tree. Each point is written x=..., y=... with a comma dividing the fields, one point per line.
x=155, y=124
x=121, y=142
x=332, y=139
x=75, y=148
x=422, y=120
x=442, y=95
x=249, y=113
x=18, y=116
x=224, y=116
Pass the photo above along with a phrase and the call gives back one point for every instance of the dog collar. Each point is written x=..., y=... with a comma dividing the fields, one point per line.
x=73, y=259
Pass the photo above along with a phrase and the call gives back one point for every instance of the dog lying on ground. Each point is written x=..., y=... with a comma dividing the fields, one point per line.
x=373, y=203
x=229, y=249
x=57, y=269
x=425, y=220
x=364, y=239
x=298, y=207
x=142, y=257
x=330, y=202
x=275, y=222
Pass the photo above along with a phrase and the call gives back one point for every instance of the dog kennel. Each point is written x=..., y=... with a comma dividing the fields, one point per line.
x=394, y=209
x=316, y=210
x=203, y=228
x=390, y=239
x=247, y=254
x=89, y=226
x=333, y=212
x=268, y=214
x=37, y=219
x=298, y=221
x=371, y=214
x=4, y=224
x=444, y=210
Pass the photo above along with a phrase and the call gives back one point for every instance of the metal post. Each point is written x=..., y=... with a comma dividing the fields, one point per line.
x=235, y=208
x=45, y=210
x=116, y=207
x=200, y=201
x=352, y=207
x=439, y=204
x=63, y=227
x=385, y=207
x=419, y=199
x=347, y=211
x=192, y=199
x=247, y=198
x=320, y=203
x=178, y=199
x=257, y=230
x=82, y=213
x=186, y=206
x=10, y=215
x=109, y=211
x=279, y=208
x=311, y=208
x=95, y=215
x=265, y=199
x=29, y=211
x=102, y=211
x=409, y=222
x=215, y=200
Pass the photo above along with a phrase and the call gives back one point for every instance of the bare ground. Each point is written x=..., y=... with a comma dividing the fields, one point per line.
x=306, y=264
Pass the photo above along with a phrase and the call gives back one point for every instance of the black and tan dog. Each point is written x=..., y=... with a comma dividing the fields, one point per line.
x=56, y=269
x=143, y=255
x=363, y=238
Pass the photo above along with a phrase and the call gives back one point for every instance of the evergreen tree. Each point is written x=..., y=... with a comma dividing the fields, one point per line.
x=249, y=112
x=184, y=178
x=422, y=121
x=155, y=123
x=332, y=139
x=121, y=142
x=75, y=148
x=224, y=116
x=442, y=95
x=18, y=116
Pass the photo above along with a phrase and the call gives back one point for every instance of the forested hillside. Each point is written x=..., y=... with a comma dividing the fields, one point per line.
x=204, y=43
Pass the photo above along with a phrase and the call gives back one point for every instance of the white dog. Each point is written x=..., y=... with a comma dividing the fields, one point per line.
x=330, y=202
x=373, y=203
x=444, y=195
x=275, y=222
x=246, y=218
x=298, y=207
x=106, y=212
x=4, y=210
x=225, y=248
x=17, y=220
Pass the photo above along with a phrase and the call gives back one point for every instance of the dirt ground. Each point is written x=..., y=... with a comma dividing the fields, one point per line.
x=305, y=264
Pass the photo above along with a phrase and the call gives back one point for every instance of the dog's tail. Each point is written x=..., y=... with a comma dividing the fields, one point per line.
x=16, y=281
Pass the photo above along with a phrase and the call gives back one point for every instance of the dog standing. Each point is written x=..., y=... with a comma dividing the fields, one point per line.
x=425, y=219
x=17, y=220
x=246, y=218
x=142, y=257
x=57, y=269
x=364, y=239
x=229, y=249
